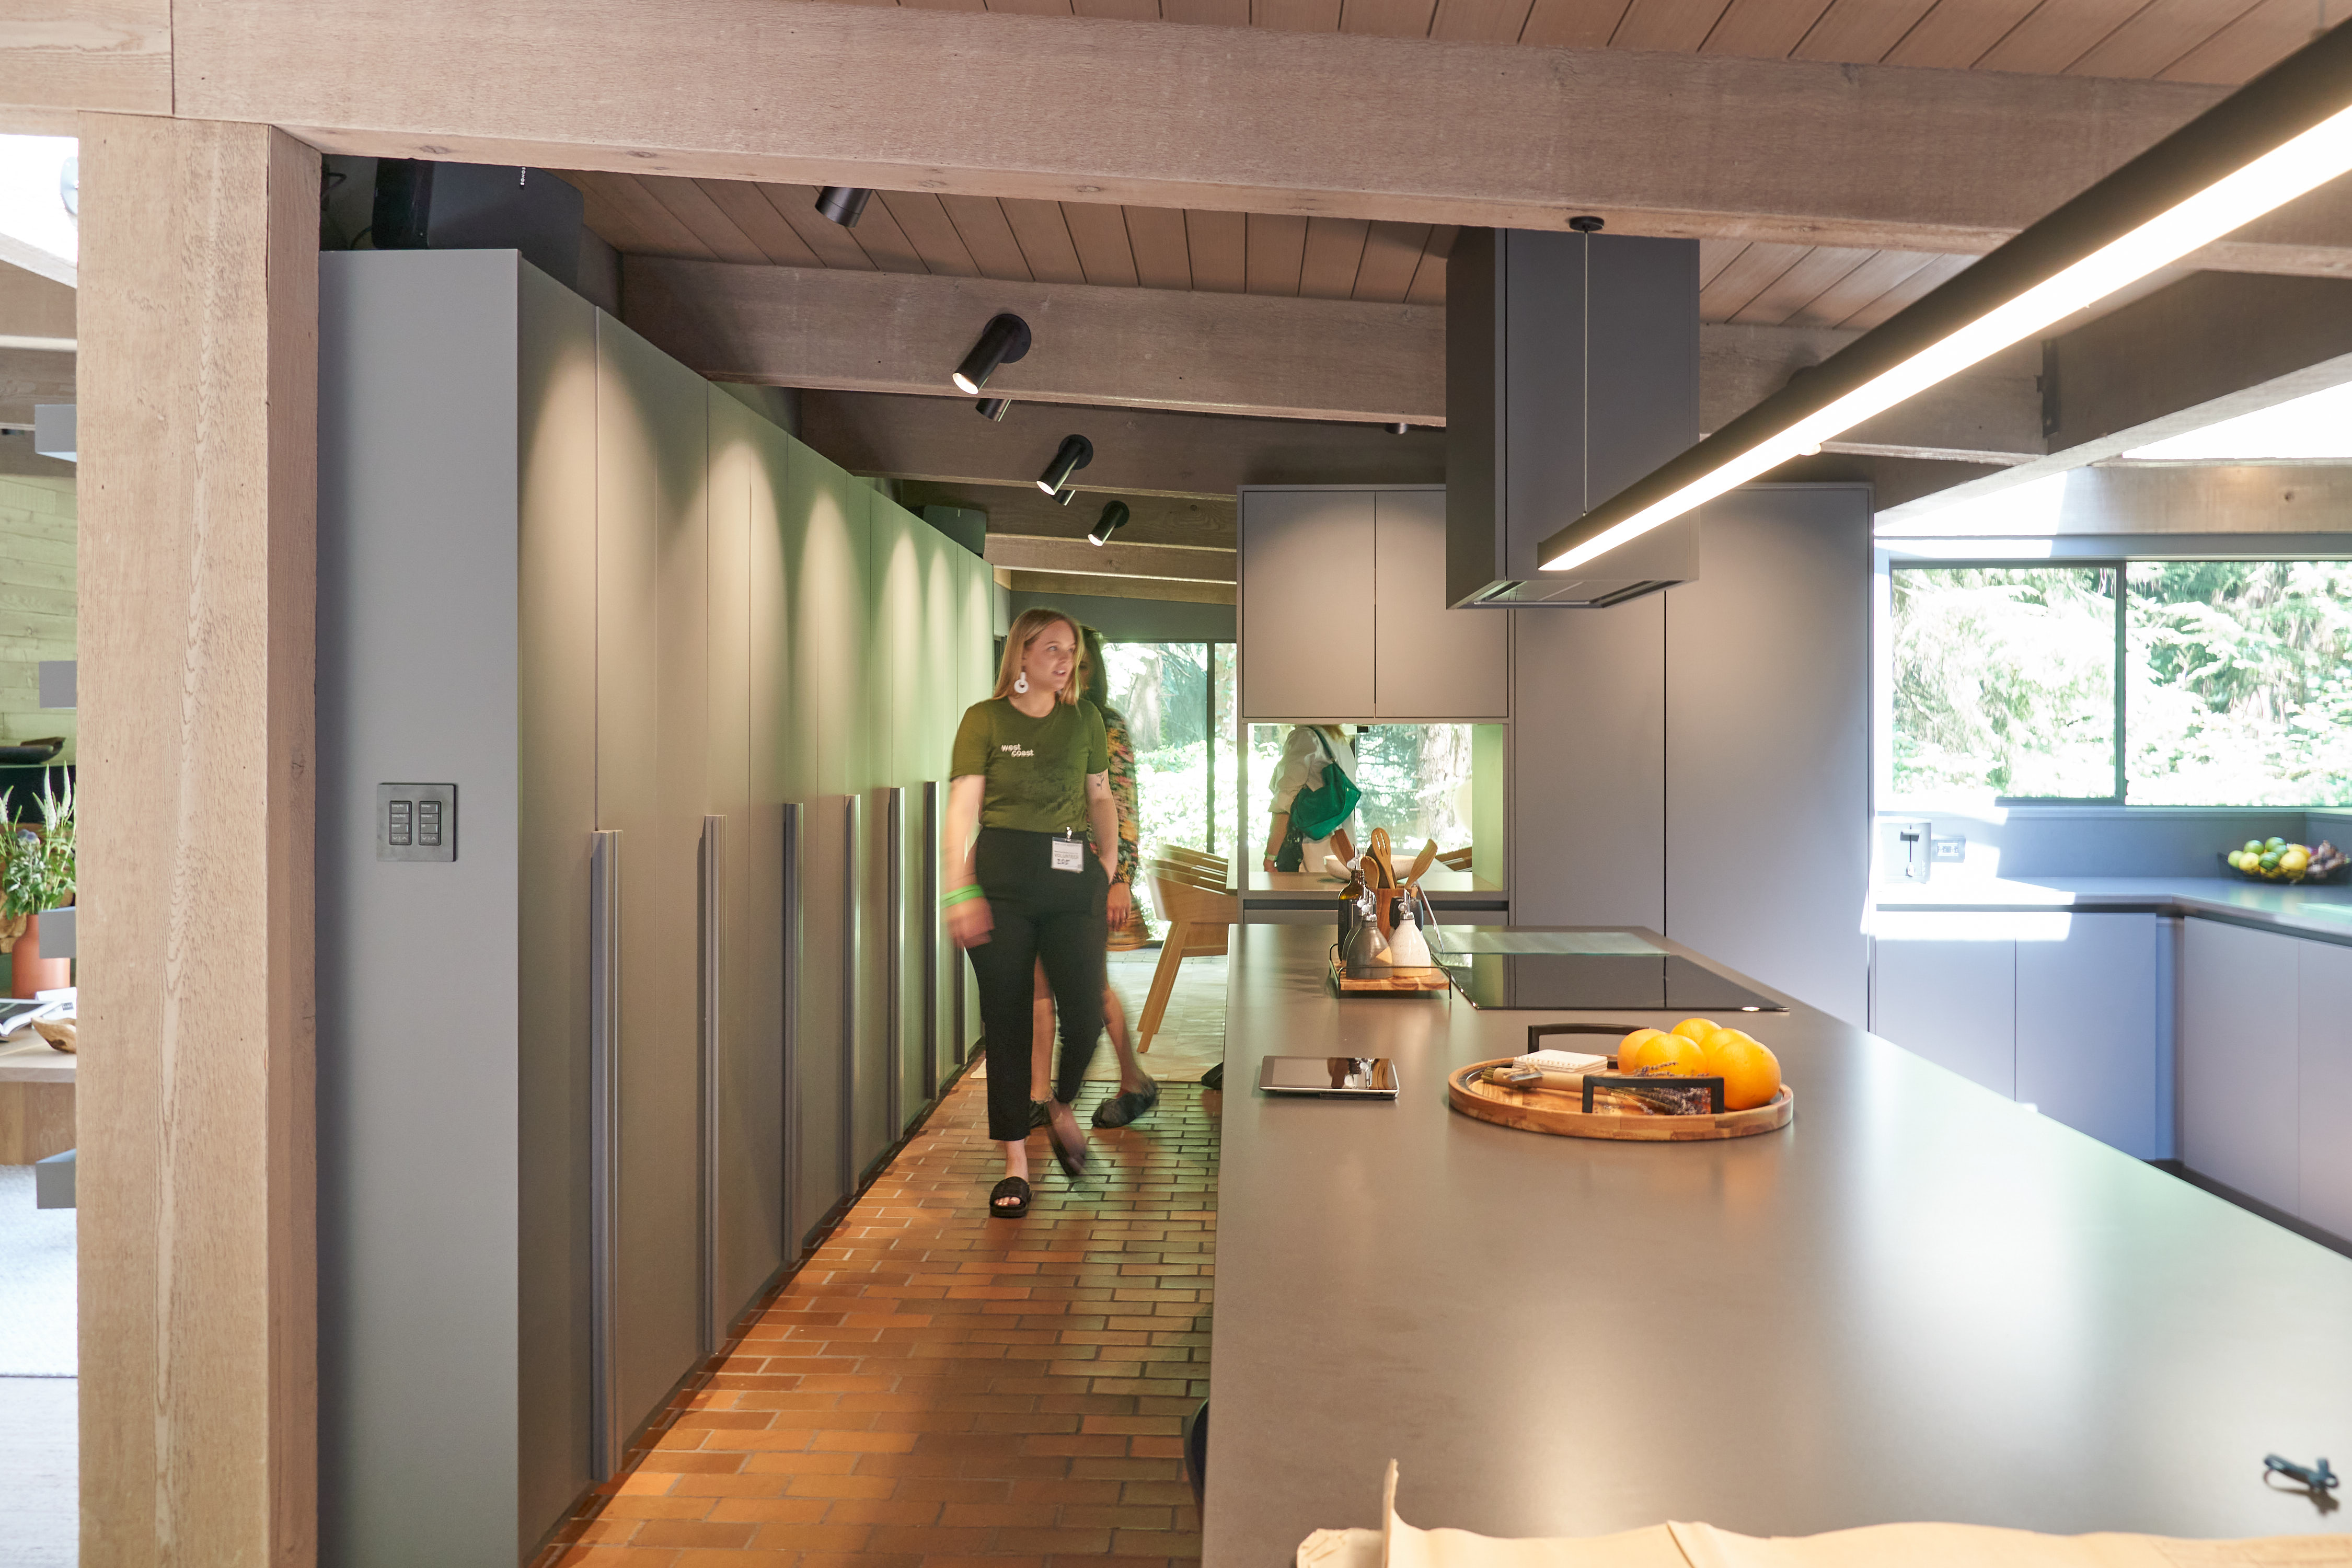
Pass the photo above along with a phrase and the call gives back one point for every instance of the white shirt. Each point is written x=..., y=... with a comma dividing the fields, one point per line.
x=1302, y=763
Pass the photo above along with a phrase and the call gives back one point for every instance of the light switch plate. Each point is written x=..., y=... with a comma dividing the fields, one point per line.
x=417, y=822
x=1953, y=848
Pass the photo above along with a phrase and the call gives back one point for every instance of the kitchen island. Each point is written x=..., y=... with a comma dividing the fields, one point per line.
x=1919, y=1302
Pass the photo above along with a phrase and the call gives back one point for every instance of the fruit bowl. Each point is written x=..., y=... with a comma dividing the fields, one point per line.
x=2275, y=860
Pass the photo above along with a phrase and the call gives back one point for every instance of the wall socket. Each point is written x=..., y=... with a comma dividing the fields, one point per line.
x=1954, y=848
x=417, y=822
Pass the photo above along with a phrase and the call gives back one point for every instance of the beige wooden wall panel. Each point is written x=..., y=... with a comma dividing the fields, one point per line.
x=32, y=306
x=198, y=322
x=1339, y=125
x=37, y=605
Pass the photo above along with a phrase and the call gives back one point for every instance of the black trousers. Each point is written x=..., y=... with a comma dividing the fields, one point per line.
x=1039, y=914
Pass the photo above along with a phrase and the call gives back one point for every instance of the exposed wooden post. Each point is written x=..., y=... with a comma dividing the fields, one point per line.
x=198, y=499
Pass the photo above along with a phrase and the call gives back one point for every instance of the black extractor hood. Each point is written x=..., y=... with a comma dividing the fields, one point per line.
x=1571, y=370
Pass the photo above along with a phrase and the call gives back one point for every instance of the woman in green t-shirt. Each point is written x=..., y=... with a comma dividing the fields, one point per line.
x=1032, y=862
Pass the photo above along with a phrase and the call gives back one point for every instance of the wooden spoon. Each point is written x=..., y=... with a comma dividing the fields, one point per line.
x=1380, y=853
x=1421, y=863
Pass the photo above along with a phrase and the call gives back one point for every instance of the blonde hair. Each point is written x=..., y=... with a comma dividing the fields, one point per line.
x=1025, y=627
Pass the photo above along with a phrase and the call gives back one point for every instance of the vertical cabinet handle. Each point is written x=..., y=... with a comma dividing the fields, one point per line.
x=713, y=933
x=605, y=1436
x=894, y=926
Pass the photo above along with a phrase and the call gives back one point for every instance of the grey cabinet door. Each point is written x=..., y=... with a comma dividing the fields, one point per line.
x=1952, y=1002
x=2086, y=1029
x=2324, y=1078
x=1306, y=605
x=2238, y=1003
x=1430, y=662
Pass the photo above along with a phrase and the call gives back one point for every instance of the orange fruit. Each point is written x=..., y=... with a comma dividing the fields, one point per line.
x=1675, y=1054
x=1750, y=1073
x=1696, y=1030
x=1629, y=1044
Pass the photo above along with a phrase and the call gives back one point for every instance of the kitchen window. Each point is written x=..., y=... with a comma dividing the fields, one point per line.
x=2204, y=683
x=1415, y=780
x=1177, y=700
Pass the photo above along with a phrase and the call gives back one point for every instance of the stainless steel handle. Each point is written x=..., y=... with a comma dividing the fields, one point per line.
x=893, y=954
x=713, y=934
x=605, y=1436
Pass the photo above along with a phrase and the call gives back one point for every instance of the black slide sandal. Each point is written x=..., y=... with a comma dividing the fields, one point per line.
x=1011, y=1187
x=1126, y=1107
x=1072, y=1165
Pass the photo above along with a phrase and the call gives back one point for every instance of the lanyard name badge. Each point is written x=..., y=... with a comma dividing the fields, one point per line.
x=1069, y=852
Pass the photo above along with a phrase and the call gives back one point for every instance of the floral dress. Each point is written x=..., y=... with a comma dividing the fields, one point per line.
x=1122, y=791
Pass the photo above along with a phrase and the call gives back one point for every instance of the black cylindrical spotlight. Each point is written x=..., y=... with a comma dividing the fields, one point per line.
x=1075, y=453
x=842, y=204
x=1400, y=427
x=1004, y=339
x=994, y=409
x=1113, y=519
x=1064, y=497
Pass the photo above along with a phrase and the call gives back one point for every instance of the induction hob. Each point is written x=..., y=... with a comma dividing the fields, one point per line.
x=1588, y=971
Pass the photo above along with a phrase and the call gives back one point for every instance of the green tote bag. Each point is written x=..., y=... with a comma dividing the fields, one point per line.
x=1318, y=813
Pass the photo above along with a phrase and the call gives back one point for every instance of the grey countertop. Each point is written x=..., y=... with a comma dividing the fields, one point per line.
x=1918, y=1301
x=2325, y=912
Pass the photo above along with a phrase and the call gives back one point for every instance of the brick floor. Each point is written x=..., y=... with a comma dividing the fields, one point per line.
x=935, y=1388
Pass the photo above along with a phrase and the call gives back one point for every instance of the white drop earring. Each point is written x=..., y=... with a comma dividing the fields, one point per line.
x=1020, y=682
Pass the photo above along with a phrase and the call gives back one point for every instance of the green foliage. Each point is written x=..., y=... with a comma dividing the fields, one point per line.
x=39, y=873
x=2237, y=682
x=2004, y=682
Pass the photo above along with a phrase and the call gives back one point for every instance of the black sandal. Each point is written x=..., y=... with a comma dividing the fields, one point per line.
x=1126, y=1106
x=1011, y=1187
x=1072, y=1165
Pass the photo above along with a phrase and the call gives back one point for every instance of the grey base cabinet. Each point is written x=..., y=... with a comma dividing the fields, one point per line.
x=2266, y=1069
x=2064, y=1013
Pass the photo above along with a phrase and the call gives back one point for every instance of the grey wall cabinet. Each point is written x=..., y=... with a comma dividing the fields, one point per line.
x=1343, y=612
x=2323, y=1085
x=2064, y=1013
x=595, y=593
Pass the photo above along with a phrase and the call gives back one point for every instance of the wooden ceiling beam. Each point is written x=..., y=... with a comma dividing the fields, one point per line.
x=2207, y=348
x=1255, y=355
x=1136, y=450
x=34, y=307
x=1023, y=508
x=28, y=376
x=1071, y=586
x=1333, y=125
x=1080, y=557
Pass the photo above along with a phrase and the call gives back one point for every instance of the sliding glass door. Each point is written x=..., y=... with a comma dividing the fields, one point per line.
x=1177, y=700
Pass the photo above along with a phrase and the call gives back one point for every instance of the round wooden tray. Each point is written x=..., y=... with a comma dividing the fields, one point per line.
x=1546, y=1110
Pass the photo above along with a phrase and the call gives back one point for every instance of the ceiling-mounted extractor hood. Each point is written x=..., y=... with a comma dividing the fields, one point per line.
x=1571, y=370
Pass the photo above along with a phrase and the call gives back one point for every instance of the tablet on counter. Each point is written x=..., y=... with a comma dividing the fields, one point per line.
x=1330, y=1077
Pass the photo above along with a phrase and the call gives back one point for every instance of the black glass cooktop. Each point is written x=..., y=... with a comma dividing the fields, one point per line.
x=1627, y=974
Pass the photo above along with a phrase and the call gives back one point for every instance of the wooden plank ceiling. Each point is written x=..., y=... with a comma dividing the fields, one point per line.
x=1159, y=248
x=2222, y=41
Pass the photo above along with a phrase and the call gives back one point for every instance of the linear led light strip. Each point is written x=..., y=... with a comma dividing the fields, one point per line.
x=2028, y=284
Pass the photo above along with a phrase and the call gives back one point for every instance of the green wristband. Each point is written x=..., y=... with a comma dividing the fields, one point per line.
x=955, y=896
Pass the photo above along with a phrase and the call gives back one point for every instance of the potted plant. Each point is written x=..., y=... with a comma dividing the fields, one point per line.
x=37, y=874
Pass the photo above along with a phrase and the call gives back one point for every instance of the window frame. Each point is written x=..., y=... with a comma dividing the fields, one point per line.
x=1891, y=556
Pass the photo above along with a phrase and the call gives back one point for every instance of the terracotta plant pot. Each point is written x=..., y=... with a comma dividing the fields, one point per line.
x=31, y=972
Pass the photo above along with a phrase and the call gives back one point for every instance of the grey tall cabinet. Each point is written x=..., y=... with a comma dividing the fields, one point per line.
x=588, y=1087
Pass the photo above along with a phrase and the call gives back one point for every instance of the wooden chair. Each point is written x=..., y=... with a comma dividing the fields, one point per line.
x=1459, y=859
x=1177, y=854
x=1201, y=913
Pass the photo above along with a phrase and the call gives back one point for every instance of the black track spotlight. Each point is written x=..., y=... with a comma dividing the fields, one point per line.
x=1113, y=519
x=1075, y=453
x=1400, y=429
x=1064, y=497
x=1003, y=341
x=994, y=409
x=843, y=205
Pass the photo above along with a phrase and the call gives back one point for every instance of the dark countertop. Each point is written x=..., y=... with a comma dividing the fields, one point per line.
x=2325, y=912
x=1919, y=1302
